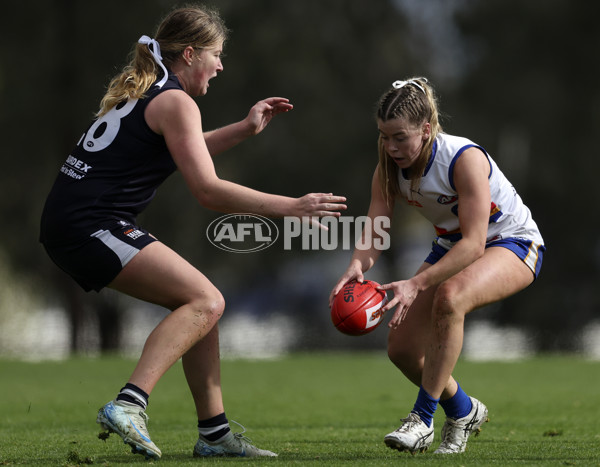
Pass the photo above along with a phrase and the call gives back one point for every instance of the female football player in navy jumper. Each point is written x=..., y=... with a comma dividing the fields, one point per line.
x=487, y=247
x=149, y=126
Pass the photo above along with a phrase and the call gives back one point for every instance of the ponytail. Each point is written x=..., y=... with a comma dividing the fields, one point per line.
x=183, y=27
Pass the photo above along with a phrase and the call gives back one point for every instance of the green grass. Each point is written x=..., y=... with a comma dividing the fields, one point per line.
x=313, y=409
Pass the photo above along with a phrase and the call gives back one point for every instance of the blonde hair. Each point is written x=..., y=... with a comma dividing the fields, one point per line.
x=193, y=26
x=414, y=100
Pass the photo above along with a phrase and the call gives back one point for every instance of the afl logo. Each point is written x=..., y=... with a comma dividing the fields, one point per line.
x=242, y=233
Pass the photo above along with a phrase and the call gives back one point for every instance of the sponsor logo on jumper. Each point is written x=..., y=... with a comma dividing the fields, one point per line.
x=447, y=199
x=75, y=168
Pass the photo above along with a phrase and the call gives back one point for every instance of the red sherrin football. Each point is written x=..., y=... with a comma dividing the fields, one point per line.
x=356, y=309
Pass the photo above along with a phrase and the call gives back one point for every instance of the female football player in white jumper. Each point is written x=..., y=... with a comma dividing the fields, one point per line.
x=149, y=126
x=487, y=247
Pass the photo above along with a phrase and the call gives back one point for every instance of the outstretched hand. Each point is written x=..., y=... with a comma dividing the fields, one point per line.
x=315, y=205
x=405, y=294
x=263, y=111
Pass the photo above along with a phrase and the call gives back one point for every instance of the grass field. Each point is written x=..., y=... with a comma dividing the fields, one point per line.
x=313, y=409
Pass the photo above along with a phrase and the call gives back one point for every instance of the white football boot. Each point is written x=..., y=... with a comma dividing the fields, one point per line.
x=231, y=445
x=129, y=422
x=455, y=433
x=412, y=436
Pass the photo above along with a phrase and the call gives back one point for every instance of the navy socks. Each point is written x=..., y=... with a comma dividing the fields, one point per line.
x=131, y=393
x=214, y=428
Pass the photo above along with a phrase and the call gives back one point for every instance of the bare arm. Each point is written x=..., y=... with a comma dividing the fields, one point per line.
x=176, y=116
x=222, y=139
x=363, y=260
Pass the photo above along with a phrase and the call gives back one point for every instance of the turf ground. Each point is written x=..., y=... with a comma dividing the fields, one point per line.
x=313, y=409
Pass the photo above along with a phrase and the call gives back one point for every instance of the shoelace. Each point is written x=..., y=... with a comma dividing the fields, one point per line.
x=448, y=438
x=410, y=421
x=240, y=436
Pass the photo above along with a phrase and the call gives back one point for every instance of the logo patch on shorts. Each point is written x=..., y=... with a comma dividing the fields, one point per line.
x=134, y=234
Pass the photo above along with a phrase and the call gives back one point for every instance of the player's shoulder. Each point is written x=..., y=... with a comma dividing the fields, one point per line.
x=170, y=110
x=445, y=140
x=173, y=102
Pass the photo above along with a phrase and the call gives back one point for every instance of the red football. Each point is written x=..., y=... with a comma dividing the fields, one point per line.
x=356, y=309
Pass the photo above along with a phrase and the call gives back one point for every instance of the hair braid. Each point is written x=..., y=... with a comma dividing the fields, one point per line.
x=416, y=103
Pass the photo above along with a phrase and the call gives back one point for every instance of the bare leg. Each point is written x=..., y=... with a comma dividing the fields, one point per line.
x=159, y=275
x=498, y=274
x=407, y=343
x=201, y=365
x=428, y=347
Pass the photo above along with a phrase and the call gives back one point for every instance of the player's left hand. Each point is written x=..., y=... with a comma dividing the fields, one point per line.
x=263, y=111
x=405, y=294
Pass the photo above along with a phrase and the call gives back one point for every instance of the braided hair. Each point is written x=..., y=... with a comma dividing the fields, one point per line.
x=414, y=101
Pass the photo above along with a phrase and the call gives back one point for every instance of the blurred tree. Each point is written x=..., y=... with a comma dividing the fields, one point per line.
x=59, y=66
x=316, y=54
x=332, y=60
x=533, y=101
x=516, y=77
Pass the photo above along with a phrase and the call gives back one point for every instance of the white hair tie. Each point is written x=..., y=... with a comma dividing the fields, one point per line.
x=155, y=51
x=401, y=84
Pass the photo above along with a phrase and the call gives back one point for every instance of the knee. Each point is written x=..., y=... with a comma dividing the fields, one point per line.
x=215, y=305
x=447, y=302
x=210, y=305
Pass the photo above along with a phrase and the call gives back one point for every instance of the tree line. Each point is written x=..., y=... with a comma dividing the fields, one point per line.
x=519, y=78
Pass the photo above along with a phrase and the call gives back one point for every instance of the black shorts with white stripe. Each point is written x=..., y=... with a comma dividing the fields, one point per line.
x=95, y=261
